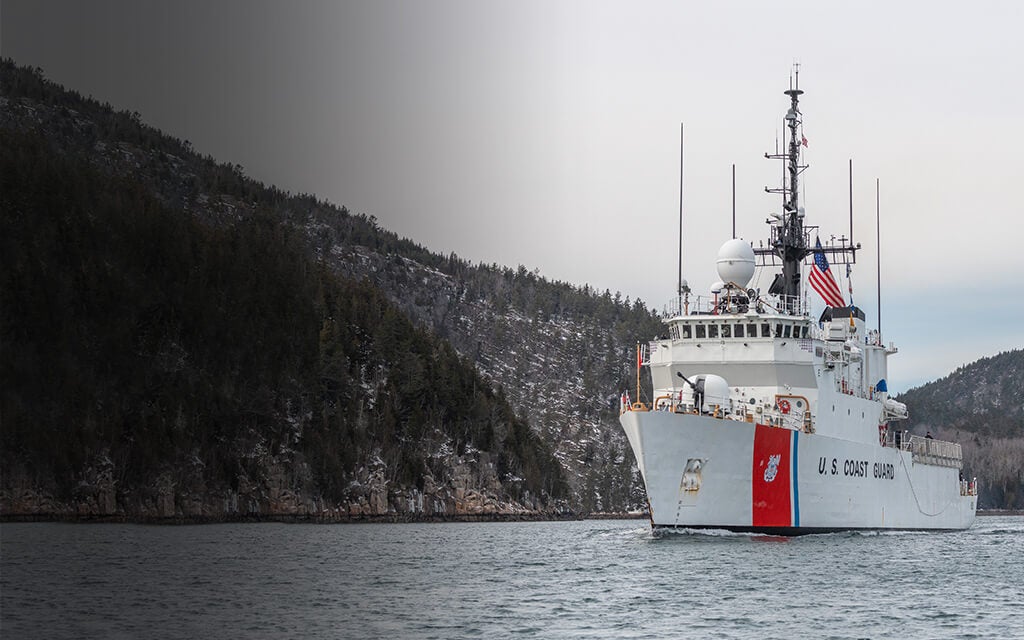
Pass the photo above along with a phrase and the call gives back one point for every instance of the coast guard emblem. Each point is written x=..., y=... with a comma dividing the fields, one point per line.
x=773, y=467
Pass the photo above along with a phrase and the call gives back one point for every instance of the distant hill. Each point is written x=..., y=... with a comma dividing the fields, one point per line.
x=984, y=397
x=558, y=353
x=980, y=405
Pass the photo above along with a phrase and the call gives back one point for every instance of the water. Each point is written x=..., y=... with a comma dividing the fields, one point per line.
x=589, y=579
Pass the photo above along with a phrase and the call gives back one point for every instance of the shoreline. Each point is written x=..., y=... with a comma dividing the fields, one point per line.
x=391, y=518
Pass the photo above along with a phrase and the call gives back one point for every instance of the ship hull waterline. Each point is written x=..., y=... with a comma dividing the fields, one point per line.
x=701, y=472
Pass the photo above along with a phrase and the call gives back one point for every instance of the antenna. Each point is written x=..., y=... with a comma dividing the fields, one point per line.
x=790, y=238
x=878, y=258
x=851, y=200
x=734, y=201
x=680, y=209
x=782, y=181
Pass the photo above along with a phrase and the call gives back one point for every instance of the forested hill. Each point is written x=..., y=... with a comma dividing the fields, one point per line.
x=555, y=355
x=154, y=365
x=984, y=397
x=980, y=405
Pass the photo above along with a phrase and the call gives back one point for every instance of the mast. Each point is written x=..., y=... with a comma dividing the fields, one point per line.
x=792, y=245
x=790, y=238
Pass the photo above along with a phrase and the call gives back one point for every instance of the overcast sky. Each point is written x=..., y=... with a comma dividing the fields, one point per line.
x=547, y=133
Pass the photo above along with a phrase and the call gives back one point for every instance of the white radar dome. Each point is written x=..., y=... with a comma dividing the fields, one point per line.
x=717, y=287
x=736, y=262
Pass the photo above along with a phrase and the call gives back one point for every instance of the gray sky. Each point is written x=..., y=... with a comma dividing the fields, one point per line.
x=547, y=134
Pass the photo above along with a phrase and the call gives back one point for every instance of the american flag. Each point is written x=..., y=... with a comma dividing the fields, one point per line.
x=822, y=279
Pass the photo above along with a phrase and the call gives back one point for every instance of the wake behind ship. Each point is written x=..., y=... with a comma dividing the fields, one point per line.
x=767, y=420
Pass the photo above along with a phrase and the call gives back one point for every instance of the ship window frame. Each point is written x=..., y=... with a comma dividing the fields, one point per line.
x=778, y=329
x=712, y=331
x=725, y=331
x=766, y=330
x=752, y=330
x=701, y=332
x=685, y=331
x=738, y=331
x=786, y=328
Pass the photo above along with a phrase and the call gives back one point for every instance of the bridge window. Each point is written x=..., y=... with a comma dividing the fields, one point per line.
x=785, y=331
x=804, y=330
x=778, y=330
x=712, y=330
x=752, y=330
x=726, y=330
x=701, y=331
x=686, y=331
x=766, y=330
x=739, y=331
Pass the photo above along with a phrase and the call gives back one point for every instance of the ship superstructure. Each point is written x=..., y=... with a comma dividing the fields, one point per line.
x=765, y=418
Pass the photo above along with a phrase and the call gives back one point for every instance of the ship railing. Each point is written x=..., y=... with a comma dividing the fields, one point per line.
x=969, y=487
x=935, y=452
x=737, y=411
x=897, y=439
x=733, y=303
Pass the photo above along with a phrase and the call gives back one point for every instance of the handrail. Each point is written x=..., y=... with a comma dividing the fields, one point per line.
x=937, y=452
x=717, y=305
x=657, y=402
x=969, y=487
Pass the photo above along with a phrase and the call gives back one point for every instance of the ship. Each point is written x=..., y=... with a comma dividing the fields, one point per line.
x=764, y=418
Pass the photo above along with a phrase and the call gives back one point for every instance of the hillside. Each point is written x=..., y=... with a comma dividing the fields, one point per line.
x=560, y=354
x=980, y=405
x=156, y=366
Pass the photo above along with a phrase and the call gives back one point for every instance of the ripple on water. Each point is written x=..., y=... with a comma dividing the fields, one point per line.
x=595, y=579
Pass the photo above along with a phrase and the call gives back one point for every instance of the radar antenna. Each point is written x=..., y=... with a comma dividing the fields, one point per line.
x=790, y=238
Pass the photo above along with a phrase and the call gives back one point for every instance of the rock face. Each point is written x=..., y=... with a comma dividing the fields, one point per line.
x=472, y=490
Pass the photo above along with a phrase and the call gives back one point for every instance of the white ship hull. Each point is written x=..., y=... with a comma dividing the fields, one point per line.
x=703, y=472
x=766, y=417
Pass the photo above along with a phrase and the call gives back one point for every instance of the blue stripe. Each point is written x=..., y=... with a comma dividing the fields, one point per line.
x=795, y=479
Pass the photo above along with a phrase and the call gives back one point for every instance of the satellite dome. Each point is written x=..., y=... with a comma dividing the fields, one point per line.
x=717, y=287
x=736, y=262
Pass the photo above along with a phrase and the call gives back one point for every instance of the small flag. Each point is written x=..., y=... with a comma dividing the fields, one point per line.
x=822, y=279
x=803, y=139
